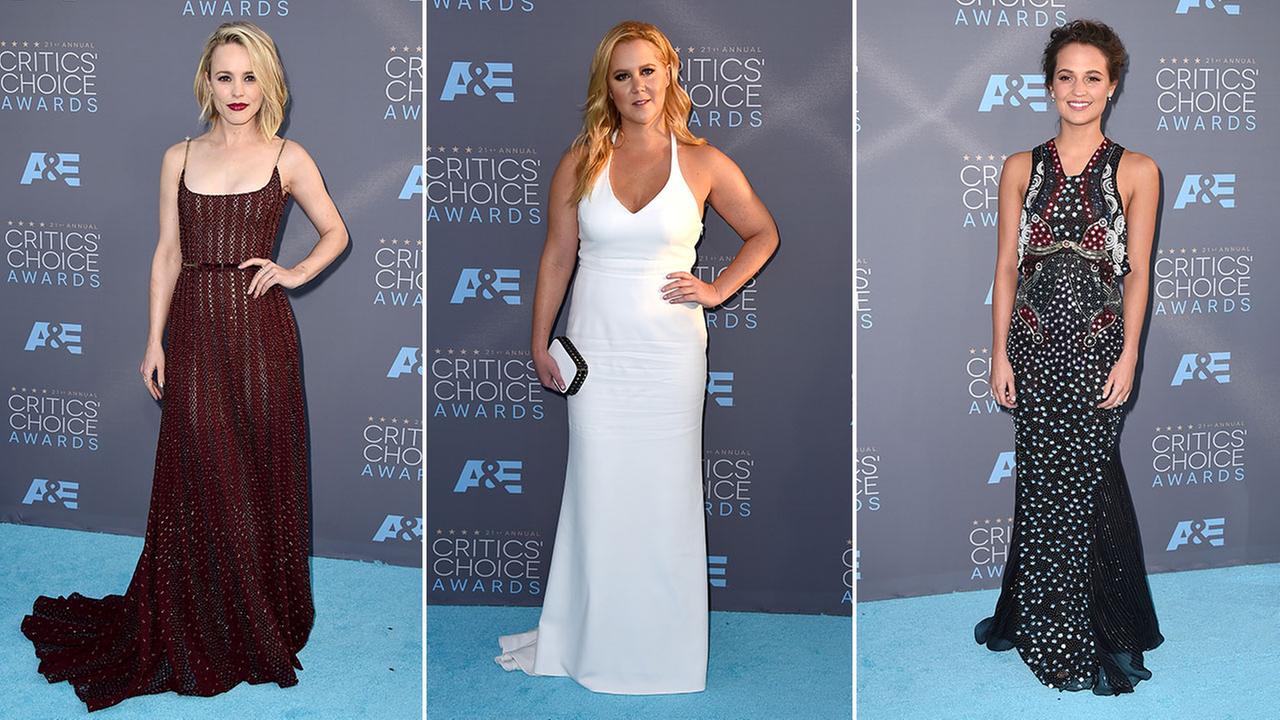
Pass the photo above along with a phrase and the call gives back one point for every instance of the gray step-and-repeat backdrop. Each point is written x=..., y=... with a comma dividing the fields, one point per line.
x=91, y=94
x=770, y=86
x=949, y=88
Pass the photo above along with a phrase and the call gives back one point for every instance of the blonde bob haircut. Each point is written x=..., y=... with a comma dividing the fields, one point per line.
x=267, y=69
x=600, y=118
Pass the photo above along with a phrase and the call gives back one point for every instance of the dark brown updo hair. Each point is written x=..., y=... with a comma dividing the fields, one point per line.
x=1088, y=32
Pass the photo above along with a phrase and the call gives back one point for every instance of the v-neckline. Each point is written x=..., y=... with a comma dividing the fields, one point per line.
x=671, y=171
x=1057, y=158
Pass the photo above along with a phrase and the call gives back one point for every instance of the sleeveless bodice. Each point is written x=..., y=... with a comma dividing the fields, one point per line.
x=661, y=234
x=1082, y=213
x=1072, y=241
x=220, y=230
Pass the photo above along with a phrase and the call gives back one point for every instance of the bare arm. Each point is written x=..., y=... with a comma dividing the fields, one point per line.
x=1014, y=177
x=736, y=202
x=1140, y=224
x=166, y=263
x=300, y=176
x=559, y=253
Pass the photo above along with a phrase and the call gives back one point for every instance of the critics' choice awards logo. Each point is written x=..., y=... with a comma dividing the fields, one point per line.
x=726, y=482
x=469, y=384
x=851, y=559
x=58, y=493
x=739, y=312
x=726, y=85
x=977, y=370
x=62, y=419
x=497, y=562
x=866, y=479
x=980, y=190
x=403, y=69
x=1203, y=367
x=1010, y=13
x=62, y=336
x=54, y=167
x=720, y=387
x=1026, y=92
x=862, y=294
x=989, y=547
x=470, y=185
x=1187, y=6
x=392, y=448
x=1204, y=280
x=485, y=475
x=487, y=285
x=1207, y=189
x=399, y=528
x=1199, y=533
x=1198, y=454
x=502, y=6
x=1206, y=94
x=235, y=8
x=397, y=273
x=43, y=76
x=53, y=254
x=472, y=80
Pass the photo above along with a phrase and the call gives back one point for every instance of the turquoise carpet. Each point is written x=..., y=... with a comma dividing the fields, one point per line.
x=1220, y=659
x=363, y=660
x=762, y=667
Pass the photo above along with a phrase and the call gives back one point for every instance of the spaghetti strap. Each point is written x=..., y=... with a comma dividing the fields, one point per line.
x=283, y=142
x=186, y=150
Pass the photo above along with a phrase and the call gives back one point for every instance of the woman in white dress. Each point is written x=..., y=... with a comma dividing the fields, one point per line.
x=625, y=609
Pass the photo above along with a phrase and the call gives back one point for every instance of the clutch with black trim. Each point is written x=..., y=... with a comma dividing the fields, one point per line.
x=567, y=356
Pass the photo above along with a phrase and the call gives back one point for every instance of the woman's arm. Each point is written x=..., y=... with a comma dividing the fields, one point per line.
x=1143, y=175
x=1014, y=177
x=559, y=253
x=166, y=263
x=736, y=202
x=301, y=177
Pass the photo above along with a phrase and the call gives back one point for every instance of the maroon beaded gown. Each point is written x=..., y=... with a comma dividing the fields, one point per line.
x=222, y=592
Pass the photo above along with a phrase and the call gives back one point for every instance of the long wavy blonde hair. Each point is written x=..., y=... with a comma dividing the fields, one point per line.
x=600, y=117
x=265, y=61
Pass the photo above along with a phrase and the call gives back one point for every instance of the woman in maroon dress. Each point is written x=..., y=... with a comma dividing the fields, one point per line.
x=221, y=593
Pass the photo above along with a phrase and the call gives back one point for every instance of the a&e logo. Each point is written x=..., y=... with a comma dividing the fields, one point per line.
x=406, y=362
x=720, y=387
x=399, y=527
x=1206, y=189
x=1014, y=91
x=716, y=567
x=1003, y=468
x=1203, y=366
x=479, y=79
x=1198, y=532
x=491, y=474
x=53, y=492
x=1185, y=5
x=55, y=336
x=487, y=284
x=52, y=167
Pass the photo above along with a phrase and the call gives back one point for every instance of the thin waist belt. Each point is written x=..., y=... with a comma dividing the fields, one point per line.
x=213, y=266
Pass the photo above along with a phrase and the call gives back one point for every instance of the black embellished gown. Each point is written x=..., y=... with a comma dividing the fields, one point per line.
x=1074, y=598
x=221, y=593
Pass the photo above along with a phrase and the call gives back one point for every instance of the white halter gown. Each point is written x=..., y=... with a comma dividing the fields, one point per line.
x=625, y=609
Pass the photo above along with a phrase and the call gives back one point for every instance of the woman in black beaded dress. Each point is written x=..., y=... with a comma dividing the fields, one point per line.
x=1077, y=217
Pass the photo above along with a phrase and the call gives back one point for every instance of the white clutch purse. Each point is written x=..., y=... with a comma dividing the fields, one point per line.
x=573, y=369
